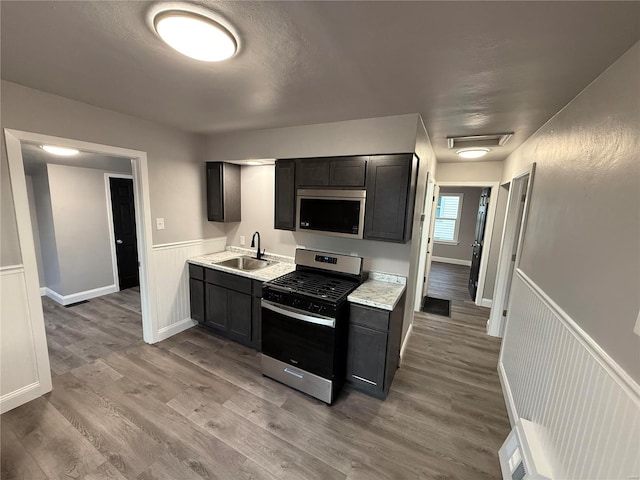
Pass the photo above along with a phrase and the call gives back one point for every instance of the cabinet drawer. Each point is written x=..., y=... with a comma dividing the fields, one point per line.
x=228, y=280
x=196, y=271
x=369, y=317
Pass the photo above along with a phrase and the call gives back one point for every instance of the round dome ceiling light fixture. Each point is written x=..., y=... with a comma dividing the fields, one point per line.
x=60, y=151
x=476, y=152
x=195, y=34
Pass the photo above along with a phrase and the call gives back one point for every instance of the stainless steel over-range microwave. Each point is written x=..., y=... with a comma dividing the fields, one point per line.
x=331, y=212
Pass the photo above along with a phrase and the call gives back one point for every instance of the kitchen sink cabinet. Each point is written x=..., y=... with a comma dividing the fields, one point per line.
x=285, y=195
x=391, y=186
x=373, y=353
x=227, y=304
x=223, y=192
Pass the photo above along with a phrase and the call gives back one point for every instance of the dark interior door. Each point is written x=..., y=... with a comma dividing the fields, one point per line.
x=481, y=223
x=124, y=227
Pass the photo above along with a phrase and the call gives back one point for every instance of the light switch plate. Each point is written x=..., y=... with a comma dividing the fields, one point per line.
x=243, y=240
x=159, y=223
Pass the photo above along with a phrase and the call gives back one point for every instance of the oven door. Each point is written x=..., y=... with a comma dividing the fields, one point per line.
x=299, y=338
x=336, y=213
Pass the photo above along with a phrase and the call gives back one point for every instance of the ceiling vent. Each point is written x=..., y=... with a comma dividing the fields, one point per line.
x=494, y=140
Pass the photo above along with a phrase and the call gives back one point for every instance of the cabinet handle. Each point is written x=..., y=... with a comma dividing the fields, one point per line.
x=295, y=374
x=364, y=380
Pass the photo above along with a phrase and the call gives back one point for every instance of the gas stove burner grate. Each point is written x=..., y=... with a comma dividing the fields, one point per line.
x=321, y=286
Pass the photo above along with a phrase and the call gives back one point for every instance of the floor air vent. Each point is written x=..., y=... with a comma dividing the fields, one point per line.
x=521, y=455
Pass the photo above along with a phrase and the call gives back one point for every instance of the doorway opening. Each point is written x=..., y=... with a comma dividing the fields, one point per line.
x=33, y=304
x=510, y=248
x=458, y=239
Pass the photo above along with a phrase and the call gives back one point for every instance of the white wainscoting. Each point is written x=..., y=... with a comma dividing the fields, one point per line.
x=20, y=339
x=555, y=375
x=172, y=282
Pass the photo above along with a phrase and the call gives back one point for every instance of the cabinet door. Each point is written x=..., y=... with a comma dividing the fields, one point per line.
x=215, y=194
x=285, y=197
x=389, y=182
x=239, y=312
x=312, y=172
x=366, y=358
x=196, y=299
x=216, y=307
x=348, y=172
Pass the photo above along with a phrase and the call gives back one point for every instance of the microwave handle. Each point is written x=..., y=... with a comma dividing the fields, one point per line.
x=305, y=317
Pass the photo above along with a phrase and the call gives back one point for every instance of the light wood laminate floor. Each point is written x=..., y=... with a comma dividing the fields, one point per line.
x=196, y=407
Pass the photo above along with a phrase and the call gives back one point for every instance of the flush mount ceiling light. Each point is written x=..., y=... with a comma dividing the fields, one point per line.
x=195, y=35
x=473, y=152
x=254, y=162
x=60, y=151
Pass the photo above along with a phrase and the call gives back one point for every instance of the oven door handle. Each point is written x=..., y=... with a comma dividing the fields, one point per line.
x=298, y=315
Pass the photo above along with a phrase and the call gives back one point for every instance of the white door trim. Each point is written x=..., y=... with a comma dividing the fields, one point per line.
x=112, y=233
x=424, y=253
x=488, y=231
x=511, y=233
x=143, y=227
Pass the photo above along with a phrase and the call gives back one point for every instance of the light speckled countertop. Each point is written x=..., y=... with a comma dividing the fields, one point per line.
x=210, y=260
x=381, y=290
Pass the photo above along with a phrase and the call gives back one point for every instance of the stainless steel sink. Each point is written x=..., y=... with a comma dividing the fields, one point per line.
x=245, y=263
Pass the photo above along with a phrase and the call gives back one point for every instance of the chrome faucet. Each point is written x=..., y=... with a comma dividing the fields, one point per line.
x=253, y=244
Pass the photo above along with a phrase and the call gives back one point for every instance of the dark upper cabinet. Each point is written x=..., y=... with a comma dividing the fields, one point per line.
x=313, y=172
x=391, y=185
x=285, y=195
x=331, y=172
x=348, y=172
x=223, y=192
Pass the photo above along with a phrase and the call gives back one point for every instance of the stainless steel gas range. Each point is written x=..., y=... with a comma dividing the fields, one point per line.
x=304, y=322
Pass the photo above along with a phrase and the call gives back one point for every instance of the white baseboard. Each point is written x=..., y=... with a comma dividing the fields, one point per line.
x=43, y=291
x=453, y=261
x=175, y=328
x=508, y=396
x=20, y=397
x=406, y=341
x=486, y=302
x=80, y=296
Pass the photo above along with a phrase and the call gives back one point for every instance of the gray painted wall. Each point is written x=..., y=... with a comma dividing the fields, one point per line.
x=583, y=232
x=35, y=228
x=467, y=232
x=79, y=207
x=396, y=134
x=176, y=178
x=470, y=172
x=46, y=229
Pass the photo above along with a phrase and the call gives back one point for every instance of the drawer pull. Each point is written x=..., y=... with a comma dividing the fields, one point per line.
x=294, y=373
x=364, y=380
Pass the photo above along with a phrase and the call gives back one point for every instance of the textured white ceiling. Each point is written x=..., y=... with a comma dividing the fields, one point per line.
x=468, y=67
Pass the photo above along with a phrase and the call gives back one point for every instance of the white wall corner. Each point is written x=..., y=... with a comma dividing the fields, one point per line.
x=636, y=330
x=175, y=328
x=405, y=342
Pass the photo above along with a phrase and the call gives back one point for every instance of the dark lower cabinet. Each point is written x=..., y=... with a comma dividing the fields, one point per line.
x=373, y=353
x=226, y=304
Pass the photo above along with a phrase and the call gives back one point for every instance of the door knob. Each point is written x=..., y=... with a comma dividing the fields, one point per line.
x=119, y=242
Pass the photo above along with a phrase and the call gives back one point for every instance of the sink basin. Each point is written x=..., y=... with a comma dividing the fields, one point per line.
x=245, y=263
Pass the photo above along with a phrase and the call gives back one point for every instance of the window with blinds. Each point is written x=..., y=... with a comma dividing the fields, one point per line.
x=447, y=222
